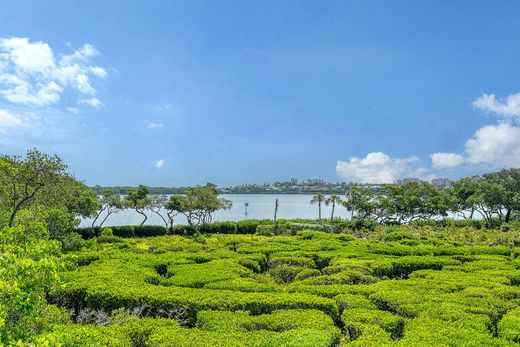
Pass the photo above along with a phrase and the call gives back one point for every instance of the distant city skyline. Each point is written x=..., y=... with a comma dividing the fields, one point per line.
x=181, y=93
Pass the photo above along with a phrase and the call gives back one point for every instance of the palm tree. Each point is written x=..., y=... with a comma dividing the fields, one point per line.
x=333, y=200
x=318, y=199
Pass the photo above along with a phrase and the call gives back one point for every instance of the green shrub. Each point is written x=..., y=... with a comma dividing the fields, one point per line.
x=247, y=226
x=394, y=235
x=146, y=231
x=285, y=273
x=251, y=264
x=71, y=241
x=509, y=326
x=88, y=233
x=107, y=236
x=125, y=230
x=265, y=230
x=307, y=273
x=383, y=319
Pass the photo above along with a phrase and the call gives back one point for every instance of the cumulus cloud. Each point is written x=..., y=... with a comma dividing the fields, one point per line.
x=152, y=125
x=376, y=167
x=159, y=163
x=495, y=145
x=446, y=160
x=8, y=120
x=508, y=107
x=31, y=73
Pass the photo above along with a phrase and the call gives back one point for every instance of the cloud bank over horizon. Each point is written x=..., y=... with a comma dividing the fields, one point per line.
x=492, y=147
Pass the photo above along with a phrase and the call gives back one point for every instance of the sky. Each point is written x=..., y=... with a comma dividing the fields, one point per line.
x=175, y=93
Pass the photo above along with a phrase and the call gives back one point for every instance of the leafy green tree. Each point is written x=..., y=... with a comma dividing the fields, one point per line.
x=360, y=202
x=157, y=205
x=333, y=200
x=465, y=195
x=198, y=204
x=138, y=200
x=109, y=203
x=40, y=183
x=172, y=207
x=411, y=201
x=318, y=199
x=25, y=180
x=501, y=191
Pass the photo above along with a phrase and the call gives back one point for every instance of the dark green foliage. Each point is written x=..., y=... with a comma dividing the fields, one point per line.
x=145, y=231
x=247, y=226
x=71, y=242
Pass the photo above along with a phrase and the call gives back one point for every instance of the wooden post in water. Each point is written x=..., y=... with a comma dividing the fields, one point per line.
x=246, y=204
x=276, y=204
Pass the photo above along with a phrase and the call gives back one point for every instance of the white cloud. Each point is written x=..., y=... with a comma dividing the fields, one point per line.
x=510, y=107
x=74, y=110
x=8, y=120
x=446, y=160
x=495, y=145
x=31, y=74
x=376, y=167
x=29, y=57
x=152, y=125
x=94, y=102
x=98, y=71
x=159, y=163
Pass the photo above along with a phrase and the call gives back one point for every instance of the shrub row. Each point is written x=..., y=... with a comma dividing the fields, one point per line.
x=125, y=231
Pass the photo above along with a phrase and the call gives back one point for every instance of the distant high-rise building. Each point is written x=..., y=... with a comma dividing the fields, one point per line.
x=408, y=180
x=441, y=182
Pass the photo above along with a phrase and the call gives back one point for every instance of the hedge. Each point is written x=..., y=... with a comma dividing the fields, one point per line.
x=444, y=288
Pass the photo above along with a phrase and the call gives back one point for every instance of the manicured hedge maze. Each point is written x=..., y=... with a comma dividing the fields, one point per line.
x=421, y=286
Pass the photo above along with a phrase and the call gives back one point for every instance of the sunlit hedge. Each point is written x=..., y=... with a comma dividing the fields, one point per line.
x=402, y=286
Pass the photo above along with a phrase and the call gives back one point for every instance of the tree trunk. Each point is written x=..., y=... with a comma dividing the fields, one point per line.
x=97, y=216
x=508, y=215
x=144, y=215
x=11, y=219
x=104, y=219
x=319, y=211
x=332, y=213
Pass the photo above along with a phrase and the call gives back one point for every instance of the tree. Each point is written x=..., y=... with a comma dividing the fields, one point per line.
x=506, y=194
x=73, y=196
x=198, y=204
x=333, y=200
x=157, y=204
x=138, y=200
x=318, y=199
x=110, y=203
x=360, y=202
x=172, y=207
x=465, y=195
x=26, y=179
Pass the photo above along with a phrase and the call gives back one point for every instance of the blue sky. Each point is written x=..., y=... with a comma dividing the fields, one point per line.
x=184, y=92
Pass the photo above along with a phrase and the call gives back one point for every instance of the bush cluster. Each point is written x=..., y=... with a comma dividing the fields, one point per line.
x=403, y=286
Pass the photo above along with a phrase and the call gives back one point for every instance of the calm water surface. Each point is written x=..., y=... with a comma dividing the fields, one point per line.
x=261, y=206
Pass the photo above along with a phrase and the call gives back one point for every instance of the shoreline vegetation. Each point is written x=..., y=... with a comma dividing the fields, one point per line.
x=399, y=273
x=293, y=186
